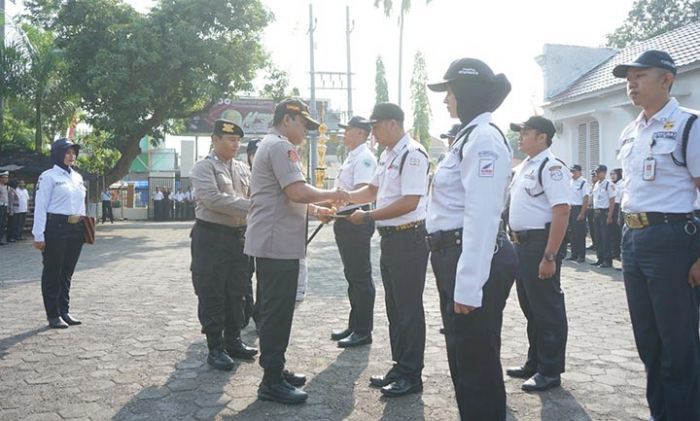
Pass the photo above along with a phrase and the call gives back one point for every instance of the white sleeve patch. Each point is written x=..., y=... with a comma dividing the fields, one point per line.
x=487, y=167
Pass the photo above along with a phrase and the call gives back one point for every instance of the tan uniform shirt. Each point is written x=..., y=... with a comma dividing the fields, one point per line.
x=276, y=225
x=222, y=191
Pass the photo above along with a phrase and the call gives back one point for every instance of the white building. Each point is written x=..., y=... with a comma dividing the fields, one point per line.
x=589, y=106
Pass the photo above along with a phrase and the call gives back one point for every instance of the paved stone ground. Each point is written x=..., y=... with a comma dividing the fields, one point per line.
x=139, y=354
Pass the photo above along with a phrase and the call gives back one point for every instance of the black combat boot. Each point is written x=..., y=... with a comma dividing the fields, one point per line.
x=217, y=357
x=236, y=348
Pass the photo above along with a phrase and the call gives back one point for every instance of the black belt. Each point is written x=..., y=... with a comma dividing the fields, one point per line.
x=599, y=211
x=444, y=239
x=71, y=219
x=521, y=237
x=645, y=219
x=239, y=230
x=384, y=231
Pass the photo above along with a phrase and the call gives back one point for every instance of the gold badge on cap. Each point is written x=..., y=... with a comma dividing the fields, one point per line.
x=227, y=128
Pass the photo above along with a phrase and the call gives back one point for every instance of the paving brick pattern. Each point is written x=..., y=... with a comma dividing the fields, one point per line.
x=139, y=354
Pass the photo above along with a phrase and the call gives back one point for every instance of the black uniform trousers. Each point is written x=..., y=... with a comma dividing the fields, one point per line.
x=615, y=233
x=64, y=243
x=107, y=211
x=20, y=217
x=590, y=221
x=403, y=264
x=542, y=303
x=354, y=246
x=577, y=231
x=474, y=340
x=277, y=290
x=602, y=235
x=3, y=220
x=219, y=275
x=664, y=313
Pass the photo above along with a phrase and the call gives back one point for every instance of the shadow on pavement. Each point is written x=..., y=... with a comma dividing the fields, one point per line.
x=10, y=341
x=559, y=404
x=193, y=389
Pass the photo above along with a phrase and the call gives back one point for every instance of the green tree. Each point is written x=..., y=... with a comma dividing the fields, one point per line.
x=649, y=18
x=276, y=84
x=513, y=138
x=381, y=88
x=12, y=68
x=421, y=104
x=97, y=156
x=388, y=6
x=136, y=73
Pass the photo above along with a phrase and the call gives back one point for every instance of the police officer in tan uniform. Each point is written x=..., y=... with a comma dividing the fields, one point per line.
x=220, y=270
x=276, y=229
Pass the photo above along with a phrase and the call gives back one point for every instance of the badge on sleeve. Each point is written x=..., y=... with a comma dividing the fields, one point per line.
x=555, y=173
x=414, y=162
x=367, y=163
x=293, y=155
x=486, y=167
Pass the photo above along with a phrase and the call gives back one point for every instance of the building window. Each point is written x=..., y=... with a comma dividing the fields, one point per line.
x=588, y=143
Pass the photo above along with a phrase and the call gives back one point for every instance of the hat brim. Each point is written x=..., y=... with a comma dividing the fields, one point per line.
x=311, y=124
x=439, y=86
x=620, y=71
x=516, y=127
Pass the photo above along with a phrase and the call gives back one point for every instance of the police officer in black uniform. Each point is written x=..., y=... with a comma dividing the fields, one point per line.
x=220, y=269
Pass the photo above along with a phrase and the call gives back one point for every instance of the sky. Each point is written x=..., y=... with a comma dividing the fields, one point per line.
x=506, y=34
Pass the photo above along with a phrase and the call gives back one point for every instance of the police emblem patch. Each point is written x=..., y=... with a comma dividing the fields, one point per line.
x=293, y=155
x=414, y=162
x=556, y=174
x=486, y=167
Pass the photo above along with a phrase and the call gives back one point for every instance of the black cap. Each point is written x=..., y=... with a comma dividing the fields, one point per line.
x=452, y=133
x=541, y=124
x=601, y=168
x=226, y=127
x=295, y=106
x=650, y=58
x=463, y=69
x=386, y=111
x=252, y=146
x=576, y=167
x=358, y=122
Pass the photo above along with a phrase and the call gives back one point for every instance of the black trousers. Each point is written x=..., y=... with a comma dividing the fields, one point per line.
x=20, y=217
x=577, y=233
x=403, y=263
x=219, y=275
x=602, y=236
x=615, y=233
x=277, y=289
x=64, y=243
x=664, y=313
x=354, y=246
x=3, y=221
x=11, y=227
x=107, y=211
x=474, y=340
x=542, y=303
x=590, y=221
x=157, y=212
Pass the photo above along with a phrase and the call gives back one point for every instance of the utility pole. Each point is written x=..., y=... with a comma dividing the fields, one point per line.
x=348, y=31
x=312, y=141
x=401, y=52
x=2, y=46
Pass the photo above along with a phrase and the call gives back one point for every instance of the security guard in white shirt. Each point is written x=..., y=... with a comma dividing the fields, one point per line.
x=399, y=186
x=539, y=214
x=464, y=213
x=603, y=202
x=660, y=155
x=577, y=217
x=354, y=241
x=59, y=231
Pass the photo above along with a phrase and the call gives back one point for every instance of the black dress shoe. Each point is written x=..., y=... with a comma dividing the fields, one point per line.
x=341, y=334
x=581, y=259
x=238, y=349
x=57, y=323
x=606, y=265
x=355, y=339
x=381, y=381
x=220, y=360
x=442, y=330
x=571, y=258
x=403, y=386
x=520, y=372
x=597, y=263
x=70, y=319
x=294, y=379
x=282, y=392
x=540, y=383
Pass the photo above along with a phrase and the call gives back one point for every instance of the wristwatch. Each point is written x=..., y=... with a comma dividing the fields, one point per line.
x=550, y=257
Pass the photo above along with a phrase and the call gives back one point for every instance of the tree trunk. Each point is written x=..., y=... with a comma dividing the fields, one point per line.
x=38, y=140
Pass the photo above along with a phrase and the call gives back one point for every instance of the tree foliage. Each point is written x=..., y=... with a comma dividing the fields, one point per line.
x=421, y=104
x=277, y=84
x=381, y=87
x=649, y=18
x=136, y=73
